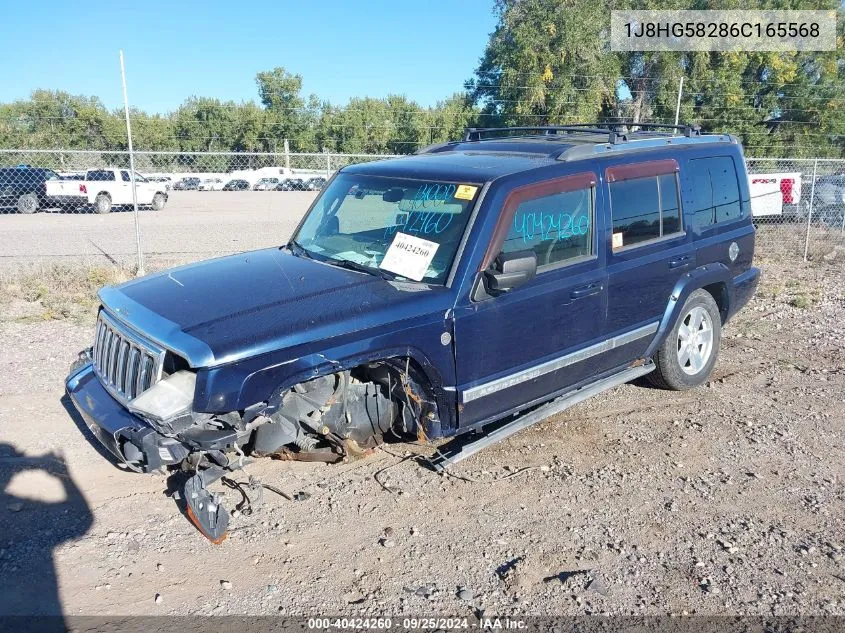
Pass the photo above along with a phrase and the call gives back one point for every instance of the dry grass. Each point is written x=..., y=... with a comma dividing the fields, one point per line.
x=56, y=292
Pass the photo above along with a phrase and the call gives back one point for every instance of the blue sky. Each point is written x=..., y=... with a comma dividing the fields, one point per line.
x=424, y=49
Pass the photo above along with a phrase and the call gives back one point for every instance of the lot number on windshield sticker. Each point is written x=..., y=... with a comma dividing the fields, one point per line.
x=465, y=192
x=409, y=256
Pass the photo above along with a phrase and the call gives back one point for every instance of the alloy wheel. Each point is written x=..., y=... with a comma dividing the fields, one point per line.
x=695, y=341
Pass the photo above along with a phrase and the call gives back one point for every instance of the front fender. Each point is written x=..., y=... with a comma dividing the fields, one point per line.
x=238, y=386
x=700, y=277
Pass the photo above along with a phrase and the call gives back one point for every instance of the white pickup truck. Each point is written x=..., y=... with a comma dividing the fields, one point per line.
x=106, y=188
x=776, y=196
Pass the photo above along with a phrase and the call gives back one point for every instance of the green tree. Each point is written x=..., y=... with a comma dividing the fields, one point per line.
x=548, y=61
x=279, y=93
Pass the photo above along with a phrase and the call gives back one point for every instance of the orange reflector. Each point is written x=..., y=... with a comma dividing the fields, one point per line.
x=196, y=522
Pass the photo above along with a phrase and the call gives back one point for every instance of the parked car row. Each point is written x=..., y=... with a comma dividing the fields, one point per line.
x=239, y=184
x=298, y=184
x=30, y=189
x=187, y=184
x=167, y=181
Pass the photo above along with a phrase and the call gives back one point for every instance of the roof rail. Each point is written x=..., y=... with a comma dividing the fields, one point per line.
x=435, y=147
x=615, y=135
x=581, y=151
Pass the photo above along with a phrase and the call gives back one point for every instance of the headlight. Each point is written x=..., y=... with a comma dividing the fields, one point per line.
x=168, y=398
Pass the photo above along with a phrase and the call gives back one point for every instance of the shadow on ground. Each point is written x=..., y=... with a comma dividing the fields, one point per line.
x=31, y=529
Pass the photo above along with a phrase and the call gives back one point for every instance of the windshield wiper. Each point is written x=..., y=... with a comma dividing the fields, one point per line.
x=352, y=265
x=298, y=249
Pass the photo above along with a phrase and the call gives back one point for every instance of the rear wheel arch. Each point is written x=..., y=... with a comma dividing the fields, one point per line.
x=709, y=277
x=719, y=292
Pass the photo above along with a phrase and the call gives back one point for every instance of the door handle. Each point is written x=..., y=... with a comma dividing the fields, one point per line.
x=586, y=291
x=681, y=262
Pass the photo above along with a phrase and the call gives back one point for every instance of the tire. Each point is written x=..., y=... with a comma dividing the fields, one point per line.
x=687, y=356
x=159, y=200
x=103, y=203
x=28, y=203
x=831, y=216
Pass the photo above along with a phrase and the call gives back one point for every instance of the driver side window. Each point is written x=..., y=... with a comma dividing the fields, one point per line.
x=557, y=227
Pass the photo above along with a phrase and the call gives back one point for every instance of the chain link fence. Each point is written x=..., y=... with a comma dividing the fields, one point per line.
x=77, y=206
x=798, y=207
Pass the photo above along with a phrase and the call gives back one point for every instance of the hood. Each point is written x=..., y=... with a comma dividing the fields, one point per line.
x=234, y=307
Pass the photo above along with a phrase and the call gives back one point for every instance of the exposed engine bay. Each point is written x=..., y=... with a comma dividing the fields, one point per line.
x=332, y=418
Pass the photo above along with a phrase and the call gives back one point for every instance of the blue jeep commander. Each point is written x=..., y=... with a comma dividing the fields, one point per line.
x=485, y=283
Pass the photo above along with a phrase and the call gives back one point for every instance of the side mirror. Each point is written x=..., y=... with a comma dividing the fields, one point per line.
x=511, y=270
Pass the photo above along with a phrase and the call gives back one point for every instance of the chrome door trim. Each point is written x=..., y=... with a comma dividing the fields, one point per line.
x=547, y=367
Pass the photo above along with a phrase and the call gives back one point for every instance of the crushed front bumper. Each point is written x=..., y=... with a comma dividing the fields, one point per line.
x=126, y=436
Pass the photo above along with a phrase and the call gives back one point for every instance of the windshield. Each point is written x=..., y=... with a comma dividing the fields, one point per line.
x=409, y=228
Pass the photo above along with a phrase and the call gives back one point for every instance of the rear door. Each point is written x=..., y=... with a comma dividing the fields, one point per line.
x=649, y=251
x=524, y=345
x=718, y=216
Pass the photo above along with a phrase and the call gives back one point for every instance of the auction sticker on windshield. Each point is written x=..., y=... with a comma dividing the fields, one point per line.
x=465, y=192
x=409, y=256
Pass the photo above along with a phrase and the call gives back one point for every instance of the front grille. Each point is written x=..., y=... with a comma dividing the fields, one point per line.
x=126, y=364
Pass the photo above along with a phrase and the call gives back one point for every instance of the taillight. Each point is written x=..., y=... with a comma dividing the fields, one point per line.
x=786, y=185
x=83, y=189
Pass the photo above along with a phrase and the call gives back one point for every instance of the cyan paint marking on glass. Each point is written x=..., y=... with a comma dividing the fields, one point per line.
x=543, y=225
x=428, y=196
x=417, y=219
x=425, y=223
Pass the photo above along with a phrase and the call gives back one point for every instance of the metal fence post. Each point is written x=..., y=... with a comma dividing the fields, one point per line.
x=132, y=169
x=287, y=156
x=328, y=165
x=810, y=210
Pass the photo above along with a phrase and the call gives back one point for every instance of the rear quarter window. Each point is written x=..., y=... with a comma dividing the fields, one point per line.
x=714, y=191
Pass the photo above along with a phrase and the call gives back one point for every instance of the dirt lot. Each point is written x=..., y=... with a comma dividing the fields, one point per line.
x=193, y=225
x=726, y=499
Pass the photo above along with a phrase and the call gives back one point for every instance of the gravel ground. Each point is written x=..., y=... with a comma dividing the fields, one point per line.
x=723, y=500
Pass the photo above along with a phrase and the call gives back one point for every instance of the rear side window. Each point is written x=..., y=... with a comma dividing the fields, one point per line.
x=100, y=175
x=557, y=227
x=125, y=176
x=644, y=209
x=715, y=191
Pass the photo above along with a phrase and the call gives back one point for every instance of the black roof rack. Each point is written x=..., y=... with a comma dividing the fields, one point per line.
x=615, y=135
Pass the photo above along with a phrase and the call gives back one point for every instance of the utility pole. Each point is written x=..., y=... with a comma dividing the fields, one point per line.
x=678, y=106
x=132, y=169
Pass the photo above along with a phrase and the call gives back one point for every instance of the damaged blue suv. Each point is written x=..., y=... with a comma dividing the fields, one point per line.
x=479, y=285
